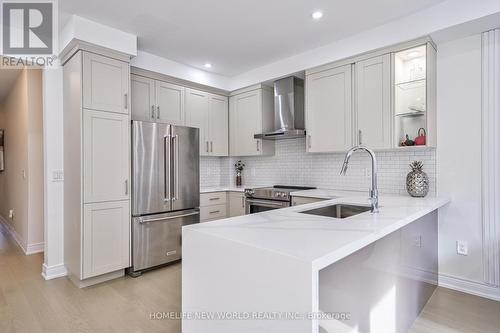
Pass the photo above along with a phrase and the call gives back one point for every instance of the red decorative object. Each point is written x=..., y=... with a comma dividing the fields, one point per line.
x=420, y=139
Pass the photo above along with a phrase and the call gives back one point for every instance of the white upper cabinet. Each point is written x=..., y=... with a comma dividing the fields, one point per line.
x=251, y=112
x=218, y=123
x=373, y=95
x=329, y=110
x=105, y=156
x=143, y=98
x=197, y=116
x=157, y=101
x=209, y=113
x=105, y=83
x=169, y=103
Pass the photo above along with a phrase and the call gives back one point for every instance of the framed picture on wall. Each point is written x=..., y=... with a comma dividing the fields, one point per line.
x=2, y=165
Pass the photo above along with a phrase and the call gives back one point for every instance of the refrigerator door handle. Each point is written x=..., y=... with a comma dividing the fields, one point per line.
x=166, y=170
x=141, y=221
x=175, y=142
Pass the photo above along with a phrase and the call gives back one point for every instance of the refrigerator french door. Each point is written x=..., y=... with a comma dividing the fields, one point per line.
x=165, y=191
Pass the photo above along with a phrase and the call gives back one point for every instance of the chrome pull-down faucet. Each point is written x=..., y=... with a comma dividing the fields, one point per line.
x=374, y=189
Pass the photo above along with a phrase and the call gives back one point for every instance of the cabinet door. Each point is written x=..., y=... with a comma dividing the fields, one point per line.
x=236, y=204
x=245, y=116
x=142, y=98
x=329, y=110
x=197, y=116
x=106, y=237
x=105, y=83
x=106, y=147
x=373, y=84
x=218, y=125
x=169, y=103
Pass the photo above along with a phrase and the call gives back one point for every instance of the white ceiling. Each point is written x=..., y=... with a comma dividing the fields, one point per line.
x=236, y=35
x=7, y=79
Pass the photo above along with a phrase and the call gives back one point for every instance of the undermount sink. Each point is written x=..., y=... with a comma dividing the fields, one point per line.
x=339, y=211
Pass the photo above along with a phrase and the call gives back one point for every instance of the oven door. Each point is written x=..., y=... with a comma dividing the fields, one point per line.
x=256, y=205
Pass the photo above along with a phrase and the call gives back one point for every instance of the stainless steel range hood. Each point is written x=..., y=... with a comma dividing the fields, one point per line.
x=288, y=110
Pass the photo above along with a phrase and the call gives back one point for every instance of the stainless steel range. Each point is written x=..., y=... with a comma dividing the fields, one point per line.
x=268, y=198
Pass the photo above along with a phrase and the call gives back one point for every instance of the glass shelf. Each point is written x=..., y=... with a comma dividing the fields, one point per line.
x=419, y=83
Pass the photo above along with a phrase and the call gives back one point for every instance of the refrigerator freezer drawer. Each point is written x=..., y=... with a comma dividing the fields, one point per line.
x=156, y=239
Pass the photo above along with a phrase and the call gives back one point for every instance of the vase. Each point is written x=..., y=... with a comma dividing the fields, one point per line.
x=238, y=178
x=417, y=183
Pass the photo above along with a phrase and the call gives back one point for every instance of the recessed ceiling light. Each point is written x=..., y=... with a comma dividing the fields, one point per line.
x=208, y=65
x=317, y=15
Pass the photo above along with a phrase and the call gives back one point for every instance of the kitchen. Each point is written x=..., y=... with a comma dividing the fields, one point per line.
x=348, y=174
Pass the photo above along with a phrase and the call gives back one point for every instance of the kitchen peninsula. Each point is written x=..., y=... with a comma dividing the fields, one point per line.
x=291, y=267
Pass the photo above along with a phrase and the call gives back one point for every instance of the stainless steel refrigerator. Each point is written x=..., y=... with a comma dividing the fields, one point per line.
x=165, y=191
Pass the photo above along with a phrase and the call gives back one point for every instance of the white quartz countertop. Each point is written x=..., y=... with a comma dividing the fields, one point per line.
x=320, y=240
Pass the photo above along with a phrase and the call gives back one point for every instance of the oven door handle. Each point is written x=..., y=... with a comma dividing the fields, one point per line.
x=268, y=203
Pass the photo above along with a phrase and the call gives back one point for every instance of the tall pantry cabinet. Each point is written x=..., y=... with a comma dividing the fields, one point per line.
x=97, y=167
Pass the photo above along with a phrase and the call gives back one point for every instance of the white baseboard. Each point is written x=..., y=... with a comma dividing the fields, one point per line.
x=470, y=287
x=53, y=272
x=35, y=248
x=31, y=249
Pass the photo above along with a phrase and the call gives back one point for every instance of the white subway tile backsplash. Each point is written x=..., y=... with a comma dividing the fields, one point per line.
x=291, y=165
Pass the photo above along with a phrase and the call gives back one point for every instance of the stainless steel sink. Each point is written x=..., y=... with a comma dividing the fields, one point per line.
x=339, y=211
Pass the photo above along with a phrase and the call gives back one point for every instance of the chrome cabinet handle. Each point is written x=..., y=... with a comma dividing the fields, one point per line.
x=214, y=212
x=258, y=148
x=207, y=146
x=126, y=187
x=212, y=199
x=243, y=202
x=126, y=101
x=309, y=141
x=157, y=112
x=152, y=112
x=211, y=146
x=360, y=137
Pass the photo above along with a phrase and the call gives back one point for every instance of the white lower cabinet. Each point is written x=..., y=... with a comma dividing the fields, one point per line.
x=106, y=237
x=213, y=206
x=236, y=204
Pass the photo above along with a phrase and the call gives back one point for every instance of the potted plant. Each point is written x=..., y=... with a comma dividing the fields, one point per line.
x=239, y=166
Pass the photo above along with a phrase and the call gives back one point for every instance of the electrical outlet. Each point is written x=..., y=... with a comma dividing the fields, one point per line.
x=462, y=248
x=11, y=214
x=57, y=175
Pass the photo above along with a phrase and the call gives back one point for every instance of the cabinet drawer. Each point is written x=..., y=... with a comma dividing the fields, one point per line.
x=213, y=212
x=213, y=198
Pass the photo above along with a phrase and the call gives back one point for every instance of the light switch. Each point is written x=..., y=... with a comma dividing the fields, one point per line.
x=462, y=248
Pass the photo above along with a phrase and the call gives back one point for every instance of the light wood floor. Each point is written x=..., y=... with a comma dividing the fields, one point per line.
x=30, y=304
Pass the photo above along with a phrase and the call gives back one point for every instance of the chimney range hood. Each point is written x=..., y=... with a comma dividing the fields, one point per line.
x=288, y=110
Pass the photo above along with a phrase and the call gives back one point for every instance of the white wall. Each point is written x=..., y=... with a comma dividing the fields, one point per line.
x=459, y=156
x=21, y=184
